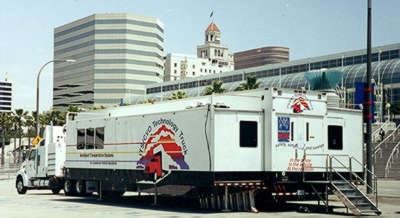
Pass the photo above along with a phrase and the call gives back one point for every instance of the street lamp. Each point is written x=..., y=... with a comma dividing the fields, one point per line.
x=37, y=87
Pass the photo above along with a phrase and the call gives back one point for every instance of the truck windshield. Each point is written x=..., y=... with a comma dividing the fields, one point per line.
x=32, y=155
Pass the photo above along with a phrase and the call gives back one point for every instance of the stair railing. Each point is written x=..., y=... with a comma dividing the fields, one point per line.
x=374, y=188
x=391, y=159
x=331, y=169
x=375, y=134
x=392, y=135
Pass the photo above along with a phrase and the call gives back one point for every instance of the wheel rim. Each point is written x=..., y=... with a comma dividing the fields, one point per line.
x=66, y=186
x=20, y=186
x=78, y=187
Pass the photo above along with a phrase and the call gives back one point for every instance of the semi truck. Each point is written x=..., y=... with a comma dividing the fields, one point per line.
x=231, y=151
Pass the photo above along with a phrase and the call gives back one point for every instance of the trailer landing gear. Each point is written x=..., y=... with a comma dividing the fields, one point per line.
x=236, y=200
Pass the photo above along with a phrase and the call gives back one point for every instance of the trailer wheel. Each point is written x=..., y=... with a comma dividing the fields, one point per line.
x=80, y=187
x=21, y=189
x=69, y=188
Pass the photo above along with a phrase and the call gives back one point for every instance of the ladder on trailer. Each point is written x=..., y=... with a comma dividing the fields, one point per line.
x=342, y=181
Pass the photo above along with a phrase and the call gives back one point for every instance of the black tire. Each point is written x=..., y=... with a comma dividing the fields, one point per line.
x=69, y=187
x=80, y=187
x=19, y=184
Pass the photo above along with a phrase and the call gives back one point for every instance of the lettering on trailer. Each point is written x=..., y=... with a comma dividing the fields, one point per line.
x=296, y=164
x=164, y=135
x=299, y=103
x=304, y=147
x=283, y=129
x=107, y=154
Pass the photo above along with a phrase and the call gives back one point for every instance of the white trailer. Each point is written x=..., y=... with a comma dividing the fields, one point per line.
x=43, y=167
x=225, y=149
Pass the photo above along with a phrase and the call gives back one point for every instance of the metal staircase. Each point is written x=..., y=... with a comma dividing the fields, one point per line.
x=353, y=198
x=343, y=181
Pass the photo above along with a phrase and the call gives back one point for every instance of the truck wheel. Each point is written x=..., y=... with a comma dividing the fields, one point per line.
x=21, y=189
x=80, y=187
x=69, y=187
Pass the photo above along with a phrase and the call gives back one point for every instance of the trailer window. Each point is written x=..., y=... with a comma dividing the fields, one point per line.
x=90, y=138
x=307, y=131
x=292, y=131
x=248, y=134
x=99, y=140
x=335, y=137
x=80, y=141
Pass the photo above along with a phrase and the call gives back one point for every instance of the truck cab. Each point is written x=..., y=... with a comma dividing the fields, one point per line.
x=43, y=164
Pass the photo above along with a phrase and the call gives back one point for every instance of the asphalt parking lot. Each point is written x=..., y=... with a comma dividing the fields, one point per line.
x=41, y=203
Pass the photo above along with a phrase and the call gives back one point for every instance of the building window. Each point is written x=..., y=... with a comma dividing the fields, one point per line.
x=335, y=137
x=175, y=72
x=80, y=140
x=99, y=140
x=248, y=134
x=194, y=66
x=175, y=64
x=90, y=138
x=201, y=70
x=214, y=71
x=193, y=73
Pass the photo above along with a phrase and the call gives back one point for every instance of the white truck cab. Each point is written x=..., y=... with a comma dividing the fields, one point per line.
x=43, y=165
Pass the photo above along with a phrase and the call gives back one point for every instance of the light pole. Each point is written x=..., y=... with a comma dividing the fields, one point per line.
x=37, y=89
x=368, y=102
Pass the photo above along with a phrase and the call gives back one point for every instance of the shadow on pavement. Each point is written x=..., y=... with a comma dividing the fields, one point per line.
x=190, y=205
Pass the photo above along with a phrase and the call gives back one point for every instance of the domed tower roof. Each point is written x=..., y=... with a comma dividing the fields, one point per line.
x=212, y=28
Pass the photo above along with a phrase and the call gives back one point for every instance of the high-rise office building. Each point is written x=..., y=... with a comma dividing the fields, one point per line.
x=5, y=96
x=260, y=56
x=116, y=56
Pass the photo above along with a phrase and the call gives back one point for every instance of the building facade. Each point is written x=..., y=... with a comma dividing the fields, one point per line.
x=385, y=73
x=212, y=58
x=260, y=56
x=116, y=56
x=6, y=96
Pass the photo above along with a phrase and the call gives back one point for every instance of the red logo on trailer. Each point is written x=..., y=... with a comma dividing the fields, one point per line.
x=299, y=104
x=162, y=141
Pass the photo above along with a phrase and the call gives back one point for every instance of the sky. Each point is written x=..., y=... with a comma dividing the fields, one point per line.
x=308, y=27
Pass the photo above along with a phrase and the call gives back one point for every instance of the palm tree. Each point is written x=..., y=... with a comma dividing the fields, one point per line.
x=251, y=83
x=177, y=95
x=56, y=117
x=148, y=101
x=216, y=87
x=98, y=107
x=30, y=124
x=19, y=118
x=5, y=125
x=74, y=108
